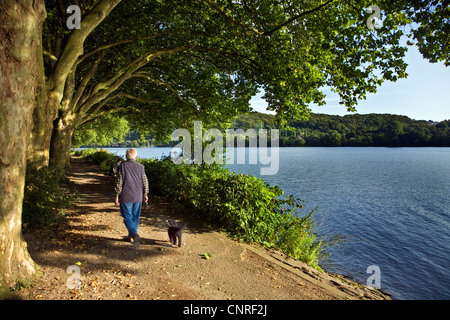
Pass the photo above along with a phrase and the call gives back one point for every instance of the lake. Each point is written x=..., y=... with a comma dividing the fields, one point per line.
x=390, y=206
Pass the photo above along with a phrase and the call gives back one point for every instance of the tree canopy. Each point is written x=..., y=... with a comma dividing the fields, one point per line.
x=167, y=63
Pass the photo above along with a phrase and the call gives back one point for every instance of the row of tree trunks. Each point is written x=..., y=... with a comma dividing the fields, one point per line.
x=54, y=121
x=20, y=71
x=34, y=126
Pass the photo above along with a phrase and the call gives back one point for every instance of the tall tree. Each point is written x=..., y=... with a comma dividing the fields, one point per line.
x=20, y=67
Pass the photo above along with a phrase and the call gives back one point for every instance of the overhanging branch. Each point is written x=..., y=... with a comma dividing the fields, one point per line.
x=122, y=42
x=74, y=46
x=289, y=21
x=129, y=96
x=216, y=7
x=86, y=79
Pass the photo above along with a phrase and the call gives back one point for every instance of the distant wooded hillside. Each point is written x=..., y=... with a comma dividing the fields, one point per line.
x=353, y=130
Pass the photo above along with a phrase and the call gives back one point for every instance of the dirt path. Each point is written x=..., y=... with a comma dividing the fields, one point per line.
x=111, y=268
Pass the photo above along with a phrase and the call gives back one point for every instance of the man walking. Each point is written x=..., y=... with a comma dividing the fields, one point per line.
x=131, y=187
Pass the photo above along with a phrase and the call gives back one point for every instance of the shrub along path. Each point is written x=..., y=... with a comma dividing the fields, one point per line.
x=209, y=265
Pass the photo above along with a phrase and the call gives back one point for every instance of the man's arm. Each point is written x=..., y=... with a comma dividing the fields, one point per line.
x=146, y=189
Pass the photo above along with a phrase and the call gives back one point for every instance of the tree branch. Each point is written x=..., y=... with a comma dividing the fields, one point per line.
x=102, y=90
x=118, y=43
x=105, y=101
x=135, y=65
x=101, y=114
x=129, y=96
x=216, y=7
x=97, y=97
x=86, y=80
x=289, y=21
x=74, y=46
x=160, y=83
x=101, y=48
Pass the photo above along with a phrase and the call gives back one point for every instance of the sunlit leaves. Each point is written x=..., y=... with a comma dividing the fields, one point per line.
x=102, y=131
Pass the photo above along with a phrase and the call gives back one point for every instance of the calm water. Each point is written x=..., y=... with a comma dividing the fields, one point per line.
x=390, y=205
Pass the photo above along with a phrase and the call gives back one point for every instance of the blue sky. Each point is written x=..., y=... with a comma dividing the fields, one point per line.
x=424, y=95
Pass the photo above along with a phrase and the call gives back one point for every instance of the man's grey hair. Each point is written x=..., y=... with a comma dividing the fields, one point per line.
x=131, y=153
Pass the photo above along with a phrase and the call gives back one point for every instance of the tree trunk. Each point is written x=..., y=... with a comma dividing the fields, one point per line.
x=63, y=129
x=44, y=115
x=20, y=37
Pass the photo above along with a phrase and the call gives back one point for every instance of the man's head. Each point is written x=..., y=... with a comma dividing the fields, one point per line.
x=131, y=154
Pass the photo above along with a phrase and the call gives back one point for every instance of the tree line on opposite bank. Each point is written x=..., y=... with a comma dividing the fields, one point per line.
x=368, y=130
x=363, y=130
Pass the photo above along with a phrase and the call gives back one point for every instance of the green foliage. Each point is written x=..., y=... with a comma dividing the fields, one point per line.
x=206, y=255
x=101, y=131
x=132, y=139
x=21, y=285
x=45, y=197
x=430, y=28
x=242, y=205
x=254, y=120
x=372, y=130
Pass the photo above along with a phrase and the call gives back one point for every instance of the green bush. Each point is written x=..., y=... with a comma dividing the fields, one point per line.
x=101, y=157
x=45, y=197
x=85, y=153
